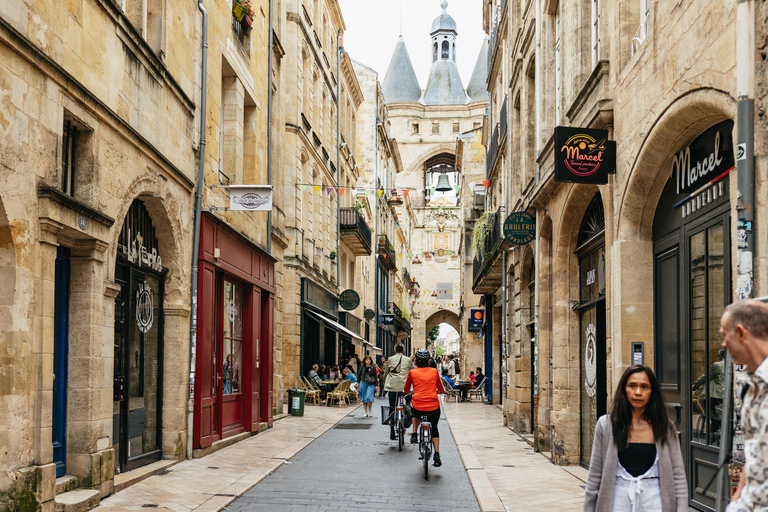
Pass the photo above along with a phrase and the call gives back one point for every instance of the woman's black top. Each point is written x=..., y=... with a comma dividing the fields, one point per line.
x=637, y=458
x=367, y=374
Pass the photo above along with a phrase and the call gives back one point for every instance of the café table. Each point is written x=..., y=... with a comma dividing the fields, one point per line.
x=330, y=382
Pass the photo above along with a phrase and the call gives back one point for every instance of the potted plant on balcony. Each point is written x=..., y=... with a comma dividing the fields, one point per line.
x=482, y=229
x=359, y=206
x=243, y=12
x=332, y=255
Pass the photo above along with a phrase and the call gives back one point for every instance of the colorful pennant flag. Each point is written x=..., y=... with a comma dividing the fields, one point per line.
x=405, y=193
x=317, y=188
x=380, y=192
x=486, y=183
x=303, y=187
x=328, y=190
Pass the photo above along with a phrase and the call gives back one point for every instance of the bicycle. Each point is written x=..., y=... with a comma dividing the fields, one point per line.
x=400, y=422
x=425, y=444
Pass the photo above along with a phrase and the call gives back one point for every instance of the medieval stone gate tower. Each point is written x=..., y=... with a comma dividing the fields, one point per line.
x=429, y=125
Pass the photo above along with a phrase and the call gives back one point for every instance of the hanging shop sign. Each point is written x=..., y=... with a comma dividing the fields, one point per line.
x=583, y=155
x=349, y=299
x=250, y=198
x=706, y=160
x=386, y=319
x=475, y=320
x=369, y=314
x=520, y=228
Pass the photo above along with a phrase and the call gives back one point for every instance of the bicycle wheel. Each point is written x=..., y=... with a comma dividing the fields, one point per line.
x=400, y=435
x=425, y=460
x=426, y=440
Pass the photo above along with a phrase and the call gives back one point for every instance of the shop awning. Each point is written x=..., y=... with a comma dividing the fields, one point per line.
x=357, y=340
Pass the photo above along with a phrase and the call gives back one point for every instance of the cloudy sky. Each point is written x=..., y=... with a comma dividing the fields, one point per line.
x=373, y=27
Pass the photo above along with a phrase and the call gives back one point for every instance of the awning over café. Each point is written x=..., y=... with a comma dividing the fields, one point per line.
x=331, y=324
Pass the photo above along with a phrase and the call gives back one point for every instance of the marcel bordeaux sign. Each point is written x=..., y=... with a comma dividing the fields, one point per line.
x=583, y=155
x=705, y=160
x=250, y=198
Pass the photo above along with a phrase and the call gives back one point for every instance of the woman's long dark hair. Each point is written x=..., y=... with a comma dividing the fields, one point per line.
x=655, y=411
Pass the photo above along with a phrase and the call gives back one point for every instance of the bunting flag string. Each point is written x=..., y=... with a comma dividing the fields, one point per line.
x=406, y=190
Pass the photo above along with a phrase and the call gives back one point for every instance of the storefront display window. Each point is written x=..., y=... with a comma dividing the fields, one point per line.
x=233, y=337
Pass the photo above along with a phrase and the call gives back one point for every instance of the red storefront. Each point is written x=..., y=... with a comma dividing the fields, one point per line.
x=233, y=382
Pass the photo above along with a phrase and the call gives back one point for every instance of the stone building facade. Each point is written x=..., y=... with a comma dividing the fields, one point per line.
x=427, y=124
x=312, y=191
x=636, y=263
x=383, y=274
x=236, y=343
x=98, y=171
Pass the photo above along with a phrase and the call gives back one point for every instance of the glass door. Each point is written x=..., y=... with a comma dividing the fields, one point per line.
x=231, y=362
x=137, y=372
x=709, y=293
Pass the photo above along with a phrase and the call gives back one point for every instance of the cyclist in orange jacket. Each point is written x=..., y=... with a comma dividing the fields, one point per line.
x=426, y=384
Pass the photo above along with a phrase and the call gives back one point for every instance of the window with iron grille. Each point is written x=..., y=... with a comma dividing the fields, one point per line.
x=69, y=147
x=415, y=128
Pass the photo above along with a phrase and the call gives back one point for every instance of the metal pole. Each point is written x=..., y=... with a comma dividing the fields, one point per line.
x=376, y=220
x=339, y=51
x=198, y=215
x=271, y=50
x=745, y=206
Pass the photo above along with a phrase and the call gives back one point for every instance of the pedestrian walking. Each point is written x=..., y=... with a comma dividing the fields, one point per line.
x=636, y=462
x=395, y=372
x=744, y=326
x=451, y=367
x=367, y=382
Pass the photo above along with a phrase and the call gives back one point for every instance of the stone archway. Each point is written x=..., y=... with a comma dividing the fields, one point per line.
x=632, y=250
x=442, y=316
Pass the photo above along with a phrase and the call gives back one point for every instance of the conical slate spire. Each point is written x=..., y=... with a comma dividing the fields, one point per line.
x=400, y=82
x=444, y=85
x=477, y=88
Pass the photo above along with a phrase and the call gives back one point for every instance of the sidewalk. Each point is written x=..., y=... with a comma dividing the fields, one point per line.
x=212, y=482
x=505, y=472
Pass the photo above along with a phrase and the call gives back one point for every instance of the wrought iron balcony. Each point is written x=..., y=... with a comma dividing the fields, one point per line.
x=395, y=310
x=355, y=233
x=407, y=281
x=386, y=251
x=486, y=266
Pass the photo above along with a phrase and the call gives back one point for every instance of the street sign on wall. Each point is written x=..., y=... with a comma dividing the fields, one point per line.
x=520, y=228
x=369, y=314
x=583, y=155
x=475, y=320
x=349, y=299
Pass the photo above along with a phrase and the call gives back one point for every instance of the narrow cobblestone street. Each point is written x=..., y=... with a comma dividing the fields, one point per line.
x=354, y=466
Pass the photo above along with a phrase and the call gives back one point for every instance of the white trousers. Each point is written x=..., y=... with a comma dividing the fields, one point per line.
x=637, y=495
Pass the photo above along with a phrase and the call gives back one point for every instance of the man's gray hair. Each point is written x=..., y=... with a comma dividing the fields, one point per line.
x=752, y=314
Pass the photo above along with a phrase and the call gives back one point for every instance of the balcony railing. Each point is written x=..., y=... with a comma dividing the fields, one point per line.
x=395, y=310
x=355, y=231
x=386, y=251
x=407, y=279
x=488, y=249
x=493, y=147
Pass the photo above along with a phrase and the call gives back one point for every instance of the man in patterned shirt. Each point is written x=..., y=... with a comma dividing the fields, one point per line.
x=744, y=326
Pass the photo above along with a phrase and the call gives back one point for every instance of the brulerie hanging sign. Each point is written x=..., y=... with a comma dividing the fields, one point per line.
x=583, y=155
x=250, y=198
x=520, y=228
x=349, y=299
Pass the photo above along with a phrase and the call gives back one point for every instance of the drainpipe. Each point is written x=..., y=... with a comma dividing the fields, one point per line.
x=196, y=238
x=745, y=203
x=376, y=221
x=339, y=53
x=271, y=50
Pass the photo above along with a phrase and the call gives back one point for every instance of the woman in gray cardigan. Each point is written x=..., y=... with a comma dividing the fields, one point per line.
x=636, y=462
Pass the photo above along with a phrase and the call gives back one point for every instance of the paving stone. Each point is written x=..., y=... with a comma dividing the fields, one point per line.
x=362, y=470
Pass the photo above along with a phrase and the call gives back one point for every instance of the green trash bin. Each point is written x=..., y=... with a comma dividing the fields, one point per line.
x=296, y=401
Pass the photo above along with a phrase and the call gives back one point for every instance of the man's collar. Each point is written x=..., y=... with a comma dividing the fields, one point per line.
x=762, y=371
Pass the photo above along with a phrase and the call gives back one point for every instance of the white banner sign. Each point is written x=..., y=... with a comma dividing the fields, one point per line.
x=250, y=198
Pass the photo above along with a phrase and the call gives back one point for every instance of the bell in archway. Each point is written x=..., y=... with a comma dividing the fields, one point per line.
x=443, y=185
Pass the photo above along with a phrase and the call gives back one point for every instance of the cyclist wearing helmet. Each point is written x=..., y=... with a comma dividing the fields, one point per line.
x=426, y=385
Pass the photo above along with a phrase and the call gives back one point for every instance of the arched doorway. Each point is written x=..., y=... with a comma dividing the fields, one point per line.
x=138, y=343
x=590, y=250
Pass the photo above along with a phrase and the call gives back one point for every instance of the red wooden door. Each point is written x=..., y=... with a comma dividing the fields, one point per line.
x=255, y=358
x=206, y=389
x=266, y=350
x=232, y=337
